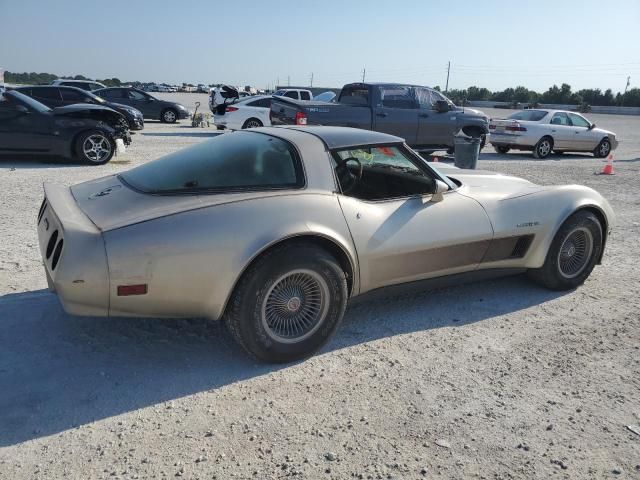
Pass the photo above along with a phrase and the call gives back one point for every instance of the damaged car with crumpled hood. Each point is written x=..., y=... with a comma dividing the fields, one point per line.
x=92, y=134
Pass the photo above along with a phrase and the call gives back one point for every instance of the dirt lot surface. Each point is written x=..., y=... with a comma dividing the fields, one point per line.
x=499, y=379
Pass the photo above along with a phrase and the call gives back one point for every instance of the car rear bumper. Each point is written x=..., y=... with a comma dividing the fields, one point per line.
x=73, y=254
x=510, y=139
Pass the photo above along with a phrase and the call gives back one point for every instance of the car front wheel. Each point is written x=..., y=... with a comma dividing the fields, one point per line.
x=502, y=150
x=288, y=303
x=573, y=253
x=603, y=149
x=169, y=116
x=252, y=123
x=95, y=147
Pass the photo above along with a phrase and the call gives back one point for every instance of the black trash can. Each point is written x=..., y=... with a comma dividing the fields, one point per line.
x=467, y=150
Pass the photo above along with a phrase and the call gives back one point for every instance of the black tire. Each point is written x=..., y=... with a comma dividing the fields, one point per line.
x=502, y=150
x=543, y=148
x=603, y=149
x=169, y=115
x=565, y=266
x=94, y=147
x=263, y=311
x=252, y=123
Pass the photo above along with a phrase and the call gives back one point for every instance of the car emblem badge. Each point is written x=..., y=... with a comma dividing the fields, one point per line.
x=105, y=192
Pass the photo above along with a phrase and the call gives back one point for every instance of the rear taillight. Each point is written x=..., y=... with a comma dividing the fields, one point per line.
x=231, y=109
x=515, y=128
x=301, y=118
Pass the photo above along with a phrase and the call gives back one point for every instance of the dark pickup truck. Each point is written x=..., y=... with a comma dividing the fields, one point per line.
x=425, y=118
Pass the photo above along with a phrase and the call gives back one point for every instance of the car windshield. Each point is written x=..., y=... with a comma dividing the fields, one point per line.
x=229, y=162
x=30, y=102
x=528, y=115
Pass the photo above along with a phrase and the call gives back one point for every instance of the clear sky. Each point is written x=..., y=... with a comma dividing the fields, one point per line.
x=490, y=43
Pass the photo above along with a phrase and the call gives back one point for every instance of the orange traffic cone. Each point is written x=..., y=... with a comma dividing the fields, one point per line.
x=608, y=168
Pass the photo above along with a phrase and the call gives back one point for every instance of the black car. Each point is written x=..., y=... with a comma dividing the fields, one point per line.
x=82, y=131
x=59, y=96
x=150, y=106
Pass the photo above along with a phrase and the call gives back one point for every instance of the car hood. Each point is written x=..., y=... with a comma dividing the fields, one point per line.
x=485, y=186
x=80, y=108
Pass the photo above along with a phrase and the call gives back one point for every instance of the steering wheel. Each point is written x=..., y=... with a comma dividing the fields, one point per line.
x=348, y=180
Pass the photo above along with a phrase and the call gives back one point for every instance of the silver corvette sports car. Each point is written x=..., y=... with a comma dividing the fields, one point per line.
x=274, y=229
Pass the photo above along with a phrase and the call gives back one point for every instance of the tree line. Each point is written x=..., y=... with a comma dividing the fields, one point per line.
x=33, y=78
x=555, y=94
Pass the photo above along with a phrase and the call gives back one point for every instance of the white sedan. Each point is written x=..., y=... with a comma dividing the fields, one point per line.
x=546, y=131
x=249, y=112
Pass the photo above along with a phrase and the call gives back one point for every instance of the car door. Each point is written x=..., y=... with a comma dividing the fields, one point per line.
x=22, y=129
x=408, y=234
x=260, y=109
x=434, y=128
x=584, y=138
x=561, y=131
x=396, y=112
x=148, y=105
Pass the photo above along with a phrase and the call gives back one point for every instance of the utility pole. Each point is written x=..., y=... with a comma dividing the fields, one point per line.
x=311, y=80
x=628, y=83
x=446, y=88
x=364, y=72
x=288, y=80
x=277, y=83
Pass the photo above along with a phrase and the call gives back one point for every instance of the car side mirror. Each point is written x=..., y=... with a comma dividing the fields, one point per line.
x=441, y=188
x=441, y=106
x=592, y=126
x=23, y=109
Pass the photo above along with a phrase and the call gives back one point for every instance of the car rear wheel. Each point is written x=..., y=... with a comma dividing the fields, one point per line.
x=252, y=123
x=603, y=149
x=543, y=148
x=95, y=147
x=288, y=303
x=572, y=254
x=502, y=150
x=169, y=116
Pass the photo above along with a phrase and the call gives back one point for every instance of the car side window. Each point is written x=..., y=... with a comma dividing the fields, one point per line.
x=305, y=96
x=69, y=95
x=292, y=94
x=263, y=103
x=578, y=121
x=424, y=97
x=398, y=97
x=560, y=118
x=110, y=94
x=387, y=172
x=47, y=94
x=133, y=95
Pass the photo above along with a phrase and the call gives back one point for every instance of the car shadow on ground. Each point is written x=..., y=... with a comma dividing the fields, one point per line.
x=13, y=162
x=59, y=372
x=195, y=133
x=489, y=155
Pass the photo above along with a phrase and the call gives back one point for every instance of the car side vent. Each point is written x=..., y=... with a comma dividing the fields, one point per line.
x=56, y=255
x=52, y=243
x=521, y=247
x=43, y=207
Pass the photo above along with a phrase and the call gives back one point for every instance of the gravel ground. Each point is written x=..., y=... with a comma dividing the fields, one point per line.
x=499, y=379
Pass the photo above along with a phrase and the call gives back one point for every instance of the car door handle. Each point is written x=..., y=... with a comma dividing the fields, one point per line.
x=424, y=115
x=381, y=114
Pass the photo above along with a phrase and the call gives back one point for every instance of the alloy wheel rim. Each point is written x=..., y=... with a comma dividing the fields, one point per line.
x=96, y=148
x=575, y=252
x=169, y=116
x=253, y=124
x=295, y=306
x=545, y=148
x=604, y=148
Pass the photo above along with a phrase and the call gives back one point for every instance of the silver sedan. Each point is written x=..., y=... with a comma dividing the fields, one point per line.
x=547, y=131
x=275, y=229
